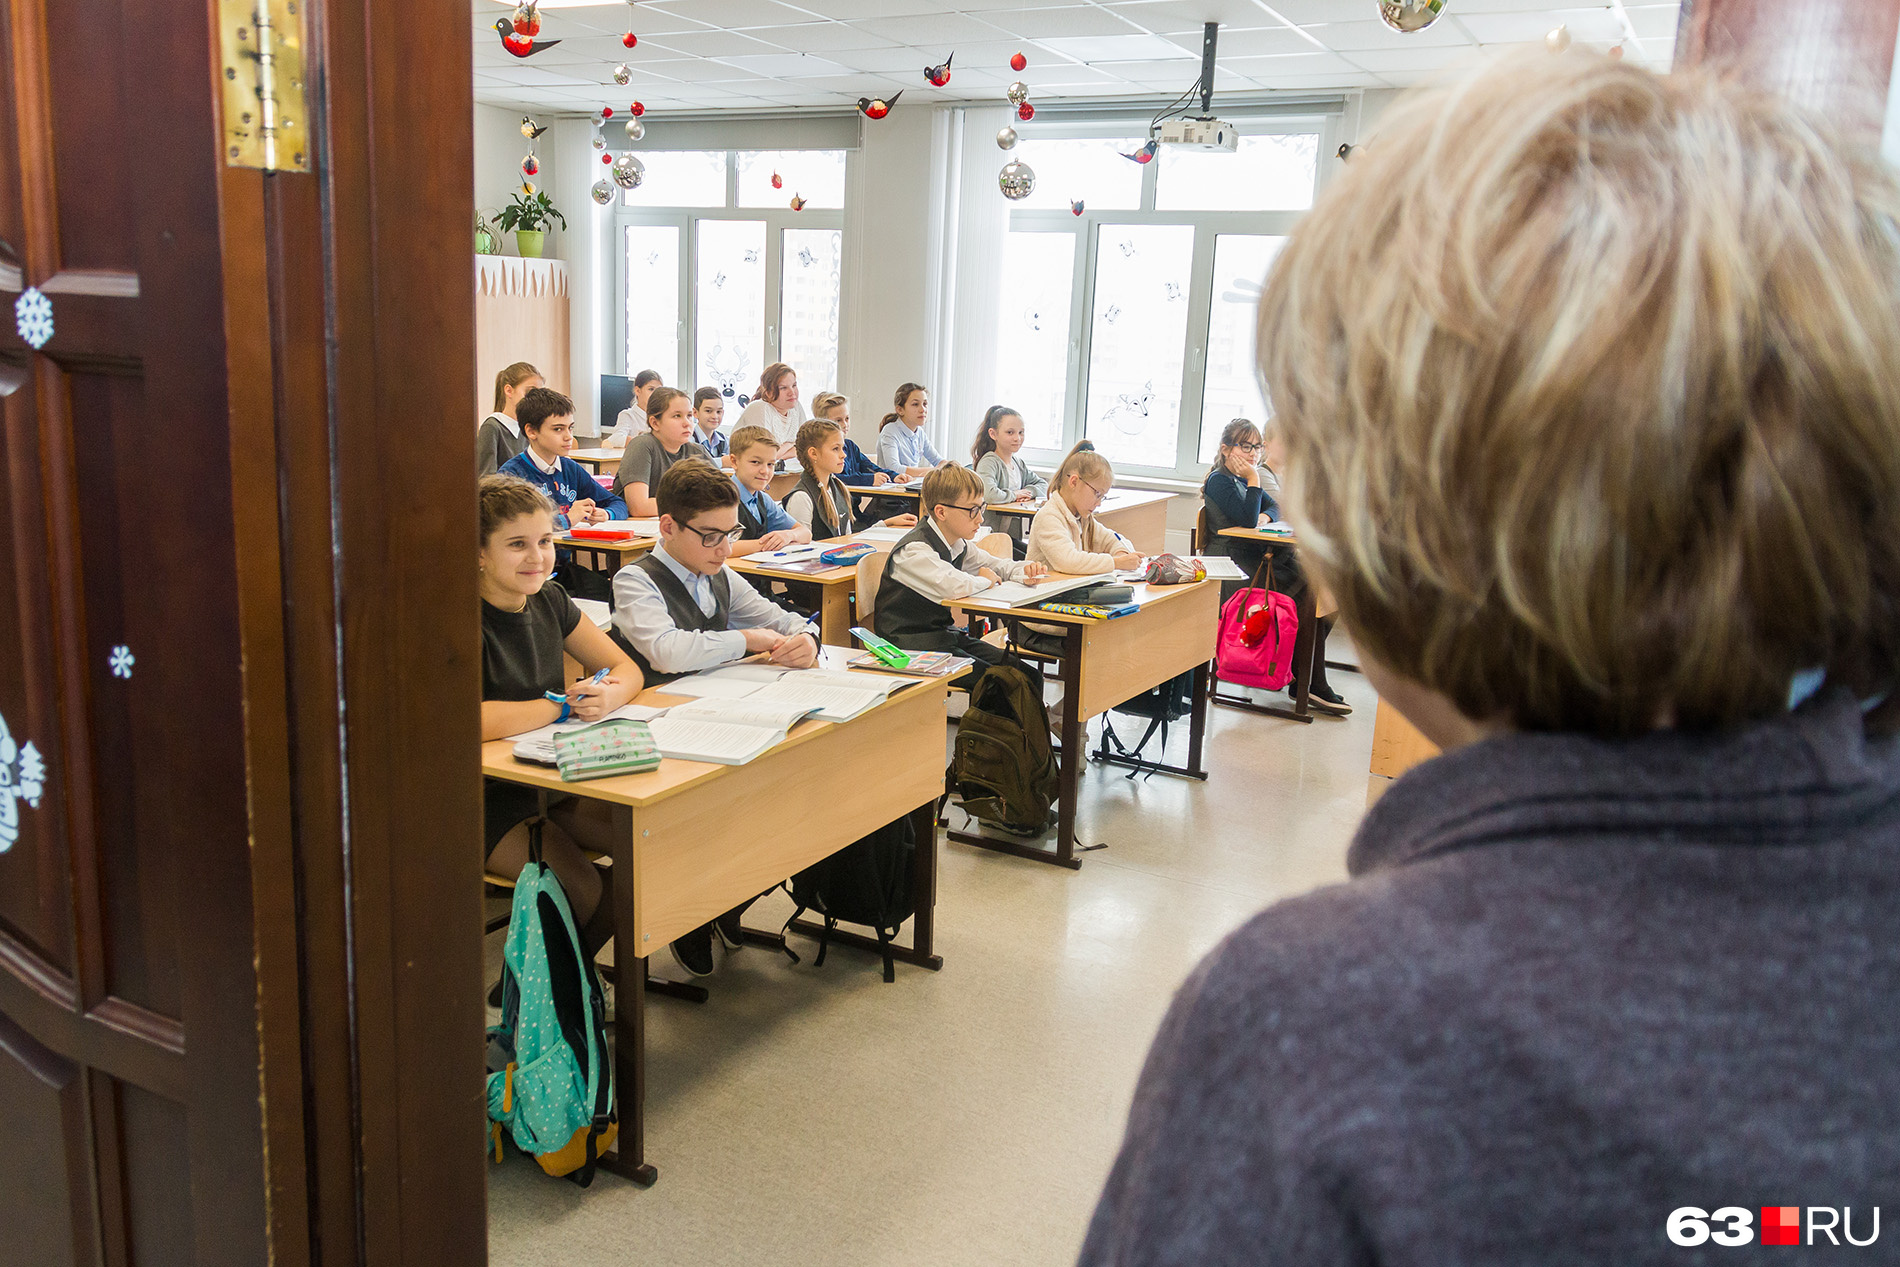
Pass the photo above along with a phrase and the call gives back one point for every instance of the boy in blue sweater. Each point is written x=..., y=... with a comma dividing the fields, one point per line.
x=547, y=420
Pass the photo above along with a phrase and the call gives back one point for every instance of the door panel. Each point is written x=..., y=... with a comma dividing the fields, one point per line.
x=39, y=1100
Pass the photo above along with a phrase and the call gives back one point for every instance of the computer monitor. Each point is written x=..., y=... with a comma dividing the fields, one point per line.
x=616, y=394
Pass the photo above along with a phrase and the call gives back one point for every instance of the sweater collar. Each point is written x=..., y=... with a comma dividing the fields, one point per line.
x=1802, y=777
x=546, y=468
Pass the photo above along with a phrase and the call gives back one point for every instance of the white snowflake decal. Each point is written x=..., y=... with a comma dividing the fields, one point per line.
x=121, y=661
x=23, y=782
x=33, y=315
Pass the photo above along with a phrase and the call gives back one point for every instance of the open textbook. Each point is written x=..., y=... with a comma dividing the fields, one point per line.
x=833, y=696
x=1016, y=594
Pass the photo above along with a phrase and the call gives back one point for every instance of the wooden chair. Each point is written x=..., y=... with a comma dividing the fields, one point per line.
x=1200, y=534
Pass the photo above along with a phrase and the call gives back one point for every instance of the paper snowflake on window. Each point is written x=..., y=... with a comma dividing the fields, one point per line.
x=22, y=782
x=33, y=315
x=121, y=661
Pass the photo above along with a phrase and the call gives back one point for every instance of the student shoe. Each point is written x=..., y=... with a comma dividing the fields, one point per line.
x=693, y=951
x=731, y=927
x=1328, y=701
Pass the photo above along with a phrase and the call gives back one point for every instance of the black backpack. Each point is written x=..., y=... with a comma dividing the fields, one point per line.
x=868, y=882
x=1003, y=766
x=1169, y=702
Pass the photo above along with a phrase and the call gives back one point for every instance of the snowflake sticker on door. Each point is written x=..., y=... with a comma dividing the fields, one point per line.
x=22, y=778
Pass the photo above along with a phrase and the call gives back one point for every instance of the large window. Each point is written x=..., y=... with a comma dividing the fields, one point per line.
x=720, y=277
x=1136, y=320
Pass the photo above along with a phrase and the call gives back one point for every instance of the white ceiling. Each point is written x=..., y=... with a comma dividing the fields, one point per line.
x=761, y=54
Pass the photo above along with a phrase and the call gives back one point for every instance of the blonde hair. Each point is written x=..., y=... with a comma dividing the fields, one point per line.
x=1087, y=463
x=513, y=376
x=946, y=485
x=824, y=402
x=1589, y=381
x=744, y=438
x=505, y=498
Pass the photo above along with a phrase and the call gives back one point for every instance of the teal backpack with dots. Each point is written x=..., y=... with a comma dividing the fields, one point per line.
x=550, y=1085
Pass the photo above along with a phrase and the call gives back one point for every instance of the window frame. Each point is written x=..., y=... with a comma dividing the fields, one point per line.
x=1207, y=226
x=687, y=221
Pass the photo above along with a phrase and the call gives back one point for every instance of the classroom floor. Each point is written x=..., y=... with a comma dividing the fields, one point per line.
x=965, y=1116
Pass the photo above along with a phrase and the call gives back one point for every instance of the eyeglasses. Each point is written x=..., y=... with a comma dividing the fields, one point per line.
x=711, y=537
x=1100, y=493
x=972, y=511
x=1249, y=448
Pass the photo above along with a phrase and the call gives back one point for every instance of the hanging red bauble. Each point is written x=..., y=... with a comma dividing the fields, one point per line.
x=1025, y=112
x=606, y=158
x=638, y=109
x=606, y=112
x=1018, y=62
x=629, y=39
x=778, y=181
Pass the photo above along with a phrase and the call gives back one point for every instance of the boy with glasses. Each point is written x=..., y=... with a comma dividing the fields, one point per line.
x=680, y=609
x=935, y=562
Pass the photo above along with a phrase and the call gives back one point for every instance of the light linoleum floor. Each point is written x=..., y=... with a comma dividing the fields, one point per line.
x=964, y=1117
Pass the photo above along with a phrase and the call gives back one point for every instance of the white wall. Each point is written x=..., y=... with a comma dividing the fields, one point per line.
x=499, y=149
x=884, y=329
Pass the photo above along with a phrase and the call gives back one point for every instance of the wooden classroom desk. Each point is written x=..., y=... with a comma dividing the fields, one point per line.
x=837, y=588
x=597, y=460
x=614, y=554
x=687, y=846
x=1106, y=662
x=1140, y=514
x=1303, y=641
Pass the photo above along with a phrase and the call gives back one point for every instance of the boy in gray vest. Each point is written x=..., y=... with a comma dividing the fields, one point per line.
x=680, y=609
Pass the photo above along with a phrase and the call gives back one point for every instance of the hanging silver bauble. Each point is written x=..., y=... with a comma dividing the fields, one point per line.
x=1018, y=93
x=622, y=75
x=1017, y=180
x=635, y=129
x=1410, y=15
x=603, y=192
x=599, y=142
x=1006, y=139
x=629, y=171
x=1558, y=39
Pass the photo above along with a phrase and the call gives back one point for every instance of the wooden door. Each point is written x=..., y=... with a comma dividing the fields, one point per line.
x=239, y=887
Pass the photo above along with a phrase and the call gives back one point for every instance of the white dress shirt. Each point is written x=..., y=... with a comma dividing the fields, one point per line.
x=924, y=570
x=641, y=617
x=784, y=427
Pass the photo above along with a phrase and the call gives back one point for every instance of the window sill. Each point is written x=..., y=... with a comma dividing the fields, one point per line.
x=1156, y=483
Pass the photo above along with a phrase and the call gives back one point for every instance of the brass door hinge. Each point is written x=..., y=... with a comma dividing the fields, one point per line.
x=266, y=122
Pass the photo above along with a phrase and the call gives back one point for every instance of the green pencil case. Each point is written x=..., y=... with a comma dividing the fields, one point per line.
x=604, y=749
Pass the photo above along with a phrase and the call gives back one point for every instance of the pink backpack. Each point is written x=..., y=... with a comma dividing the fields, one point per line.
x=1255, y=643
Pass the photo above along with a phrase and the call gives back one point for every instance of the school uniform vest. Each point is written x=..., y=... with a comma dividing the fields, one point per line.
x=840, y=501
x=682, y=608
x=901, y=610
x=754, y=526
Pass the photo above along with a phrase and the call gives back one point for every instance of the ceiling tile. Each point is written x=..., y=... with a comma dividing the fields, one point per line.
x=940, y=29
x=731, y=14
x=1380, y=60
x=1034, y=24
x=1589, y=26
x=826, y=38
x=1654, y=21
x=786, y=65
x=711, y=44
x=1256, y=43
x=1349, y=37
x=1119, y=48
x=1175, y=17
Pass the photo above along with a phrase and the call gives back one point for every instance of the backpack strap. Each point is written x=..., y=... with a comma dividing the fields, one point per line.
x=1265, y=565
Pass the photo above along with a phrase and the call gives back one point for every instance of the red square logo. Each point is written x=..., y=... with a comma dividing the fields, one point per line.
x=1781, y=1225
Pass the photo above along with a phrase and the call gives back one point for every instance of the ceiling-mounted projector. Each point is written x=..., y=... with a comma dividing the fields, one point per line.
x=1200, y=134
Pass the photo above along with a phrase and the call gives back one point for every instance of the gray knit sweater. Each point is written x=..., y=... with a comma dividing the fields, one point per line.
x=1573, y=986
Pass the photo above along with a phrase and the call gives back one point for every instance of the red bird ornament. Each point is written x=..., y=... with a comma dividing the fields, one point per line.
x=778, y=181
x=938, y=76
x=1145, y=154
x=878, y=108
x=798, y=204
x=520, y=45
x=527, y=19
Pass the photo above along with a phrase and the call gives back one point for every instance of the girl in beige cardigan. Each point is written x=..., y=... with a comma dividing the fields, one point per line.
x=1065, y=535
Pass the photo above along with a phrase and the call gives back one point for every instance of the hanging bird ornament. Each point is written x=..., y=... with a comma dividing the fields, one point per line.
x=1146, y=154
x=527, y=18
x=877, y=108
x=1076, y=208
x=1006, y=138
x=778, y=181
x=1017, y=180
x=530, y=129
x=1406, y=16
x=1018, y=62
x=518, y=44
x=938, y=76
x=798, y=204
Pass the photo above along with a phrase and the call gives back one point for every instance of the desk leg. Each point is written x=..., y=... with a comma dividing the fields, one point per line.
x=834, y=615
x=628, y=1158
x=1197, y=719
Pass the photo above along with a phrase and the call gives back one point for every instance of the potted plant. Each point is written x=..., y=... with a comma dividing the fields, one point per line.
x=527, y=216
